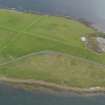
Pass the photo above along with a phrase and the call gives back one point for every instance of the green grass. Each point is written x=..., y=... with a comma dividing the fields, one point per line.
x=57, y=68
x=25, y=33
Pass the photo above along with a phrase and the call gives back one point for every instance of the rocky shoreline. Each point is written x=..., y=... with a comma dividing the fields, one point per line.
x=52, y=86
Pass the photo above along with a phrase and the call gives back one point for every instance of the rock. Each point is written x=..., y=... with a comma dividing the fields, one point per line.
x=101, y=43
x=83, y=39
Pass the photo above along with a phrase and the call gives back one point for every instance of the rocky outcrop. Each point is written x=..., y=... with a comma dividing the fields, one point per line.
x=101, y=43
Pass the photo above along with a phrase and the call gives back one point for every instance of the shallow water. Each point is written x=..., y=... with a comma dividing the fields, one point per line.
x=16, y=96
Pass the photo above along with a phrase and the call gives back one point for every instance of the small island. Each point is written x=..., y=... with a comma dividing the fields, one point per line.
x=48, y=51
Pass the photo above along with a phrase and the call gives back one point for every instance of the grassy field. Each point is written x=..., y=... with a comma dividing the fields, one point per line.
x=26, y=33
x=56, y=68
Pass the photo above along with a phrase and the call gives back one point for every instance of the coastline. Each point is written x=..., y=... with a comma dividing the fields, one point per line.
x=25, y=83
x=53, y=86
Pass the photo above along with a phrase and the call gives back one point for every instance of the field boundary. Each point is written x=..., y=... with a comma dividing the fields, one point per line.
x=47, y=52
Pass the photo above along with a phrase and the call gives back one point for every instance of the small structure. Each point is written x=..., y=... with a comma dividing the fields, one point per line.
x=83, y=39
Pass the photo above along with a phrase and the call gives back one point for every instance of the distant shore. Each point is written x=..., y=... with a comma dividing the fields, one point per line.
x=82, y=21
x=54, y=86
